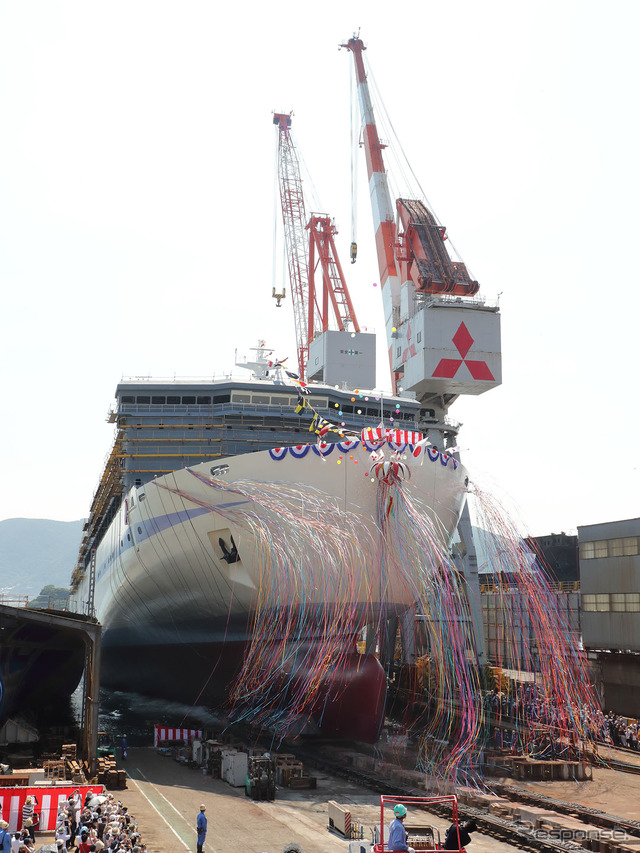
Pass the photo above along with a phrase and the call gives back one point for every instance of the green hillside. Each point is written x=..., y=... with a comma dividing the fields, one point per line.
x=36, y=552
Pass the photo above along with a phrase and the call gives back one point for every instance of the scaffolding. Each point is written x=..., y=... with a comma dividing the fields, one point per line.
x=109, y=488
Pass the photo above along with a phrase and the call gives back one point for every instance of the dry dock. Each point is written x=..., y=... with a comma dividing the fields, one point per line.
x=165, y=797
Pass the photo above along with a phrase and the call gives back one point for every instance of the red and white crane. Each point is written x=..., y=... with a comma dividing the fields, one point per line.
x=310, y=245
x=441, y=343
x=416, y=271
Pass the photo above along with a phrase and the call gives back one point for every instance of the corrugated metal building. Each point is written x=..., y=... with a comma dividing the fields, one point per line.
x=610, y=584
x=508, y=632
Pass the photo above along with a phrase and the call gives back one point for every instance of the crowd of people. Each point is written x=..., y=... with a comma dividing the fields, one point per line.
x=23, y=841
x=539, y=715
x=100, y=823
x=19, y=842
x=525, y=721
x=622, y=731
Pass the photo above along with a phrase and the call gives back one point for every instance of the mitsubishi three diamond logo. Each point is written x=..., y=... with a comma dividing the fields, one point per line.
x=448, y=367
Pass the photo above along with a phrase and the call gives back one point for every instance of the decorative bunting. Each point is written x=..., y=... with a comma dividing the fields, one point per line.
x=278, y=453
x=299, y=451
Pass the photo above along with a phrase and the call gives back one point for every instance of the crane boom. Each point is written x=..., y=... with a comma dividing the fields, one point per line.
x=334, y=288
x=382, y=207
x=439, y=347
x=294, y=217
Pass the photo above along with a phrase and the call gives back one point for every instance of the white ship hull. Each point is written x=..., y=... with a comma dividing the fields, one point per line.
x=170, y=603
x=160, y=563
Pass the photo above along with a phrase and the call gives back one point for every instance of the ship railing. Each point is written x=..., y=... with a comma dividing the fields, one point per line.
x=231, y=376
x=14, y=600
x=425, y=300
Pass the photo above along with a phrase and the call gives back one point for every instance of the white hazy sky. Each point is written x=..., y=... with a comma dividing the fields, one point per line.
x=136, y=216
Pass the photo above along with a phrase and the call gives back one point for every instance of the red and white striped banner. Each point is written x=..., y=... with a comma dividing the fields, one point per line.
x=49, y=800
x=161, y=733
x=397, y=436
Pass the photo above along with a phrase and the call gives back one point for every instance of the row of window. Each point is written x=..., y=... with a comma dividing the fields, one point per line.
x=185, y=400
x=624, y=547
x=612, y=602
x=257, y=400
x=276, y=400
x=205, y=399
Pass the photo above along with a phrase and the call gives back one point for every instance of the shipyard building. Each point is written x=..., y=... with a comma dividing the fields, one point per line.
x=596, y=581
x=610, y=588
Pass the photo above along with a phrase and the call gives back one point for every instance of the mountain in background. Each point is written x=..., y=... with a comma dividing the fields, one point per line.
x=36, y=552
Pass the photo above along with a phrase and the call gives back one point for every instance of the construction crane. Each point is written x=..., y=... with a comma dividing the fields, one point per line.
x=435, y=357
x=334, y=287
x=310, y=245
x=441, y=343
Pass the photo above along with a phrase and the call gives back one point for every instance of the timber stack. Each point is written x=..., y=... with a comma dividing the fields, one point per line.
x=109, y=775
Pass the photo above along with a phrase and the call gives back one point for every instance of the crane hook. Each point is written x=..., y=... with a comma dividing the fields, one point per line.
x=279, y=296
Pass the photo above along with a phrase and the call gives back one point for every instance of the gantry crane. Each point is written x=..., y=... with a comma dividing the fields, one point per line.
x=309, y=244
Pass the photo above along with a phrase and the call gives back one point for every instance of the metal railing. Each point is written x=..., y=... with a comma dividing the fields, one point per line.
x=60, y=605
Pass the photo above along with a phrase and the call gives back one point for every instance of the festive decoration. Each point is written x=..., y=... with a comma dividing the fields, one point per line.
x=322, y=448
x=324, y=574
x=390, y=472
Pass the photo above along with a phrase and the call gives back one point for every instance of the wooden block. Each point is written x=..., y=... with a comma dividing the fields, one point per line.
x=298, y=782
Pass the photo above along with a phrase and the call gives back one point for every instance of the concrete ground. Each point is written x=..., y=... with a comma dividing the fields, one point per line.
x=610, y=791
x=165, y=797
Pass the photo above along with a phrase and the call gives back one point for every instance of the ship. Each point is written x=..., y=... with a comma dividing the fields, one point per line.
x=171, y=564
x=238, y=550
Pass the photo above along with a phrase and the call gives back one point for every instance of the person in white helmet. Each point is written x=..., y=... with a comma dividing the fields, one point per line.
x=201, y=828
x=397, y=832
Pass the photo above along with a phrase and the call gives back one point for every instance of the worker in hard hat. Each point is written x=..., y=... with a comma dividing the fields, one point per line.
x=397, y=832
x=201, y=828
